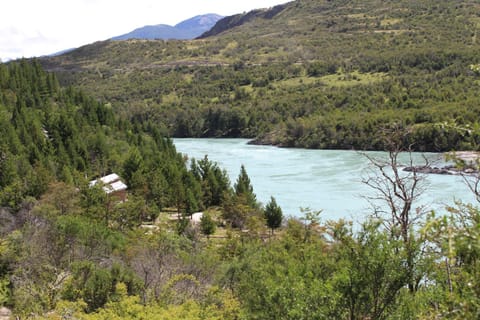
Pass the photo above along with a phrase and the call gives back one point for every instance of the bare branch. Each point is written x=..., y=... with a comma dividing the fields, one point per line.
x=473, y=183
x=395, y=188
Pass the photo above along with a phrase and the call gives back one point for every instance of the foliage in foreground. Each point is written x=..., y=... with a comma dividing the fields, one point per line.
x=68, y=251
x=325, y=271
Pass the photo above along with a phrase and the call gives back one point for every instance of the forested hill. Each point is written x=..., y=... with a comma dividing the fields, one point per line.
x=62, y=239
x=54, y=136
x=315, y=74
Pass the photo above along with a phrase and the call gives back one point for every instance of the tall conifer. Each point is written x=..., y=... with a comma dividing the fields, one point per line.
x=243, y=188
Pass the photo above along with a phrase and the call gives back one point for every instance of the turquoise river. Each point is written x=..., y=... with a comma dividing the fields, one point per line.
x=327, y=180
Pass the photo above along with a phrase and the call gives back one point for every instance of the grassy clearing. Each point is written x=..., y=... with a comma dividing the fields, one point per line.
x=335, y=80
x=188, y=77
x=352, y=79
x=295, y=82
x=171, y=98
x=248, y=88
x=389, y=22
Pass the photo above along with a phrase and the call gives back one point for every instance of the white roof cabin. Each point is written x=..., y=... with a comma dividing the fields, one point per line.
x=111, y=183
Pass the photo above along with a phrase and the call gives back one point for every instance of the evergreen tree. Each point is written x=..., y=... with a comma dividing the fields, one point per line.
x=214, y=181
x=132, y=165
x=243, y=188
x=273, y=214
x=191, y=203
x=207, y=225
x=157, y=189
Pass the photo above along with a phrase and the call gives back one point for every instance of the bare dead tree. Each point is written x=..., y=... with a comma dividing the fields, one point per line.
x=155, y=263
x=396, y=188
x=396, y=191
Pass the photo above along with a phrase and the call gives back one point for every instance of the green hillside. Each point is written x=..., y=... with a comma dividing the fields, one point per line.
x=65, y=239
x=315, y=74
x=73, y=250
x=51, y=134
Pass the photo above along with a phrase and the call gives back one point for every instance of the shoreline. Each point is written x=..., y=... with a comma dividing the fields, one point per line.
x=446, y=170
x=469, y=157
x=467, y=163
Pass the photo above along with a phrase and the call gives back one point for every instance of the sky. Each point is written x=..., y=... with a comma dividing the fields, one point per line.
x=39, y=27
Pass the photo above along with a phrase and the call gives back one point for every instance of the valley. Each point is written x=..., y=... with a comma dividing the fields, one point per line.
x=310, y=74
x=128, y=189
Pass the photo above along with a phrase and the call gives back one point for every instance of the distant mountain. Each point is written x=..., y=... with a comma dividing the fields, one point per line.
x=188, y=29
x=160, y=31
x=59, y=53
x=198, y=25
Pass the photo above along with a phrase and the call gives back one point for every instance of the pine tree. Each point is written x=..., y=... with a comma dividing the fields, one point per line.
x=214, y=181
x=191, y=203
x=273, y=214
x=132, y=165
x=207, y=225
x=244, y=189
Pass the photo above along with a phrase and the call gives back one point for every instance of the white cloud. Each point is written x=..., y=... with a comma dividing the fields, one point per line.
x=33, y=28
x=15, y=43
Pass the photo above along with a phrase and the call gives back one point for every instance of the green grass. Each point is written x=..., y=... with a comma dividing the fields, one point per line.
x=295, y=82
x=352, y=79
x=339, y=79
x=389, y=22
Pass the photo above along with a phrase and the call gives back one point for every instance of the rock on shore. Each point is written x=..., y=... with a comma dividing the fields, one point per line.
x=450, y=170
x=468, y=164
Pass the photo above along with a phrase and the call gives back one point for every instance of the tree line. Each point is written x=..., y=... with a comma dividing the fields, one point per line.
x=320, y=104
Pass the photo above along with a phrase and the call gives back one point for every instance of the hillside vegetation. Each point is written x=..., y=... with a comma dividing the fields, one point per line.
x=59, y=235
x=69, y=250
x=315, y=74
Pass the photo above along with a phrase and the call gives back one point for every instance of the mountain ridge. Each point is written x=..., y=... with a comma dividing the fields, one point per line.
x=233, y=21
x=184, y=30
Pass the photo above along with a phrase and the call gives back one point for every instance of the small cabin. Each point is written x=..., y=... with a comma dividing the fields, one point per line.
x=113, y=185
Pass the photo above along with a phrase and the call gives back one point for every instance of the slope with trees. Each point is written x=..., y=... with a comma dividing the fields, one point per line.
x=314, y=74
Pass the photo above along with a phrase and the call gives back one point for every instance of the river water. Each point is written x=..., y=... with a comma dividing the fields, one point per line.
x=327, y=180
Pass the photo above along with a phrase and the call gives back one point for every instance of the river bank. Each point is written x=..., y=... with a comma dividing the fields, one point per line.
x=465, y=163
